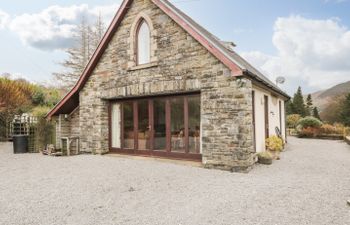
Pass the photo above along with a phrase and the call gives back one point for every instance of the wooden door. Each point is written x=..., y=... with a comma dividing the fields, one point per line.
x=254, y=129
x=267, y=125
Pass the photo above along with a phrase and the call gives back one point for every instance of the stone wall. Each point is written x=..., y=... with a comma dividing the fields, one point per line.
x=62, y=129
x=68, y=126
x=182, y=65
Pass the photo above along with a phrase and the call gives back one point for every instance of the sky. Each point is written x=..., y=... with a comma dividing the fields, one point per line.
x=307, y=42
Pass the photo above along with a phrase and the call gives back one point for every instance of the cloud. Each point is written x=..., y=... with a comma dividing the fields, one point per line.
x=312, y=52
x=4, y=18
x=53, y=28
x=335, y=1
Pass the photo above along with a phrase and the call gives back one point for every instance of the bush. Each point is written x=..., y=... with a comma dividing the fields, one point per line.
x=309, y=121
x=333, y=129
x=347, y=131
x=44, y=133
x=328, y=129
x=292, y=120
x=308, y=132
x=274, y=143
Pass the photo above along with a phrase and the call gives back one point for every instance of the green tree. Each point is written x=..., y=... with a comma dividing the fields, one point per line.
x=298, y=103
x=38, y=97
x=345, y=111
x=309, y=106
x=315, y=113
x=289, y=108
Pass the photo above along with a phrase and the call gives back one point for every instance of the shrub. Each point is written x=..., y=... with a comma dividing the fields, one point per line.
x=274, y=143
x=292, y=120
x=339, y=128
x=328, y=129
x=333, y=129
x=309, y=121
x=347, y=131
x=308, y=132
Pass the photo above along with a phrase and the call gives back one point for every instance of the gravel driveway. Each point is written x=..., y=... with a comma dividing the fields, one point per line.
x=310, y=185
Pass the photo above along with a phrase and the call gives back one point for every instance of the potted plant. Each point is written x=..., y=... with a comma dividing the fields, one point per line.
x=274, y=145
x=265, y=158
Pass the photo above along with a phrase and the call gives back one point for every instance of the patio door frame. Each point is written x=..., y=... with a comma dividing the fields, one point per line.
x=167, y=152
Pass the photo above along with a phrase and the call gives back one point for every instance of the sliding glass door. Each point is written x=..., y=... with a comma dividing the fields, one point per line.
x=159, y=119
x=164, y=126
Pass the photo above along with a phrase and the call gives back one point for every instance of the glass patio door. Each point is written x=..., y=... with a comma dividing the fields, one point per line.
x=164, y=126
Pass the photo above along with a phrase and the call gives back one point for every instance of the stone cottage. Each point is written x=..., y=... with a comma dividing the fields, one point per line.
x=161, y=85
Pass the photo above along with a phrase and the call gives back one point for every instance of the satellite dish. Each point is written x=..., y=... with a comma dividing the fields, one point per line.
x=280, y=80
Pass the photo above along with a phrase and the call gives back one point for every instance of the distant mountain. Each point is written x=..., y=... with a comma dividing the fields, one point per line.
x=321, y=98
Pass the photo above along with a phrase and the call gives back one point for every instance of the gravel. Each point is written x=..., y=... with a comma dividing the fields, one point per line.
x=310, y=185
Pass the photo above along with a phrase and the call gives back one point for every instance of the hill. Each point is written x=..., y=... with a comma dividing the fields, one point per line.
x=322, y=98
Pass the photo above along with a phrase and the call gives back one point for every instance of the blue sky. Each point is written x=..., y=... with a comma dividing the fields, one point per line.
x=290, y=38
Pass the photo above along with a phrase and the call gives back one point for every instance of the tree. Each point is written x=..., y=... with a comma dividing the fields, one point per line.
x=309, y=106
x=289, y=107
x=292, y=120
x=315, y=113
x=14, y=98
x=86, y=40
x=345, y=111
x=298, y=103
x=38, y=97
x=98, y=31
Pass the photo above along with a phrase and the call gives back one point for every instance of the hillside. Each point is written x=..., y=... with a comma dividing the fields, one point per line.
x=321, y=98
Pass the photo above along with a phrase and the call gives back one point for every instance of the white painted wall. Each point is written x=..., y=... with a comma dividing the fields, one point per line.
x=274, y=116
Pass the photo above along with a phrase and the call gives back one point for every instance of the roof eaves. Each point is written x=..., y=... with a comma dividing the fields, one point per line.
x=273, y=87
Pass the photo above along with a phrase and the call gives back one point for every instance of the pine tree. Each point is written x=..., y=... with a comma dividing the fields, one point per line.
x=309, y=106
x=345, y=111
x=315, y=113
x=289, y=108
x=298, y=103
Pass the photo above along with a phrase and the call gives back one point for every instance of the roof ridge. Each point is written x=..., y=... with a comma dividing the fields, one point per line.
x=236, y=64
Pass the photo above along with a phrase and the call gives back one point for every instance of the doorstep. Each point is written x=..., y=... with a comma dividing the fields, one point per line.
x=182, y=162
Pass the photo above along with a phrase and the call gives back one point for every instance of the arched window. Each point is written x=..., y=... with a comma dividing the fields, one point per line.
x=143, y=41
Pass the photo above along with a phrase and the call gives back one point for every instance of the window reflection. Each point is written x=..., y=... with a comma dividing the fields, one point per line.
x=194, y=114
x=143, y=126
x=177, y=125
x=159, y=124
x=128, y=113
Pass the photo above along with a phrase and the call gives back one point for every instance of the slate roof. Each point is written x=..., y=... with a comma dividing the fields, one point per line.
x=218, y=48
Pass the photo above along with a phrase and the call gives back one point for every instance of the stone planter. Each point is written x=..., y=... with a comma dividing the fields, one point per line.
x=264, y=161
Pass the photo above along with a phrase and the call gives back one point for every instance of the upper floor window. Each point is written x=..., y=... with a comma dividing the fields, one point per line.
x=143, y=40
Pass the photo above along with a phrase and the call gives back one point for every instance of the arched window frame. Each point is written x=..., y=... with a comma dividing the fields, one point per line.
x=137, y=39
x=142, y=17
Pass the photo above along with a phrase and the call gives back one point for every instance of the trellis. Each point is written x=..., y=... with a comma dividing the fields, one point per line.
x=25, y=124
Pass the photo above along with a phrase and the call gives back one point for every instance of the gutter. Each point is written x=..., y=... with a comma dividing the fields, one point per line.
x=257, y=78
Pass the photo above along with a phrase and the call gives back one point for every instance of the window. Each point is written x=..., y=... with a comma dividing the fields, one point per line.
x=143, y=40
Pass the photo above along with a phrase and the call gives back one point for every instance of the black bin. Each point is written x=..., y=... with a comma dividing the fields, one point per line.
x=20, y=144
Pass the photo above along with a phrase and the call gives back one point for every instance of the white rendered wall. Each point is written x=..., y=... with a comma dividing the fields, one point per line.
x=274, y=117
